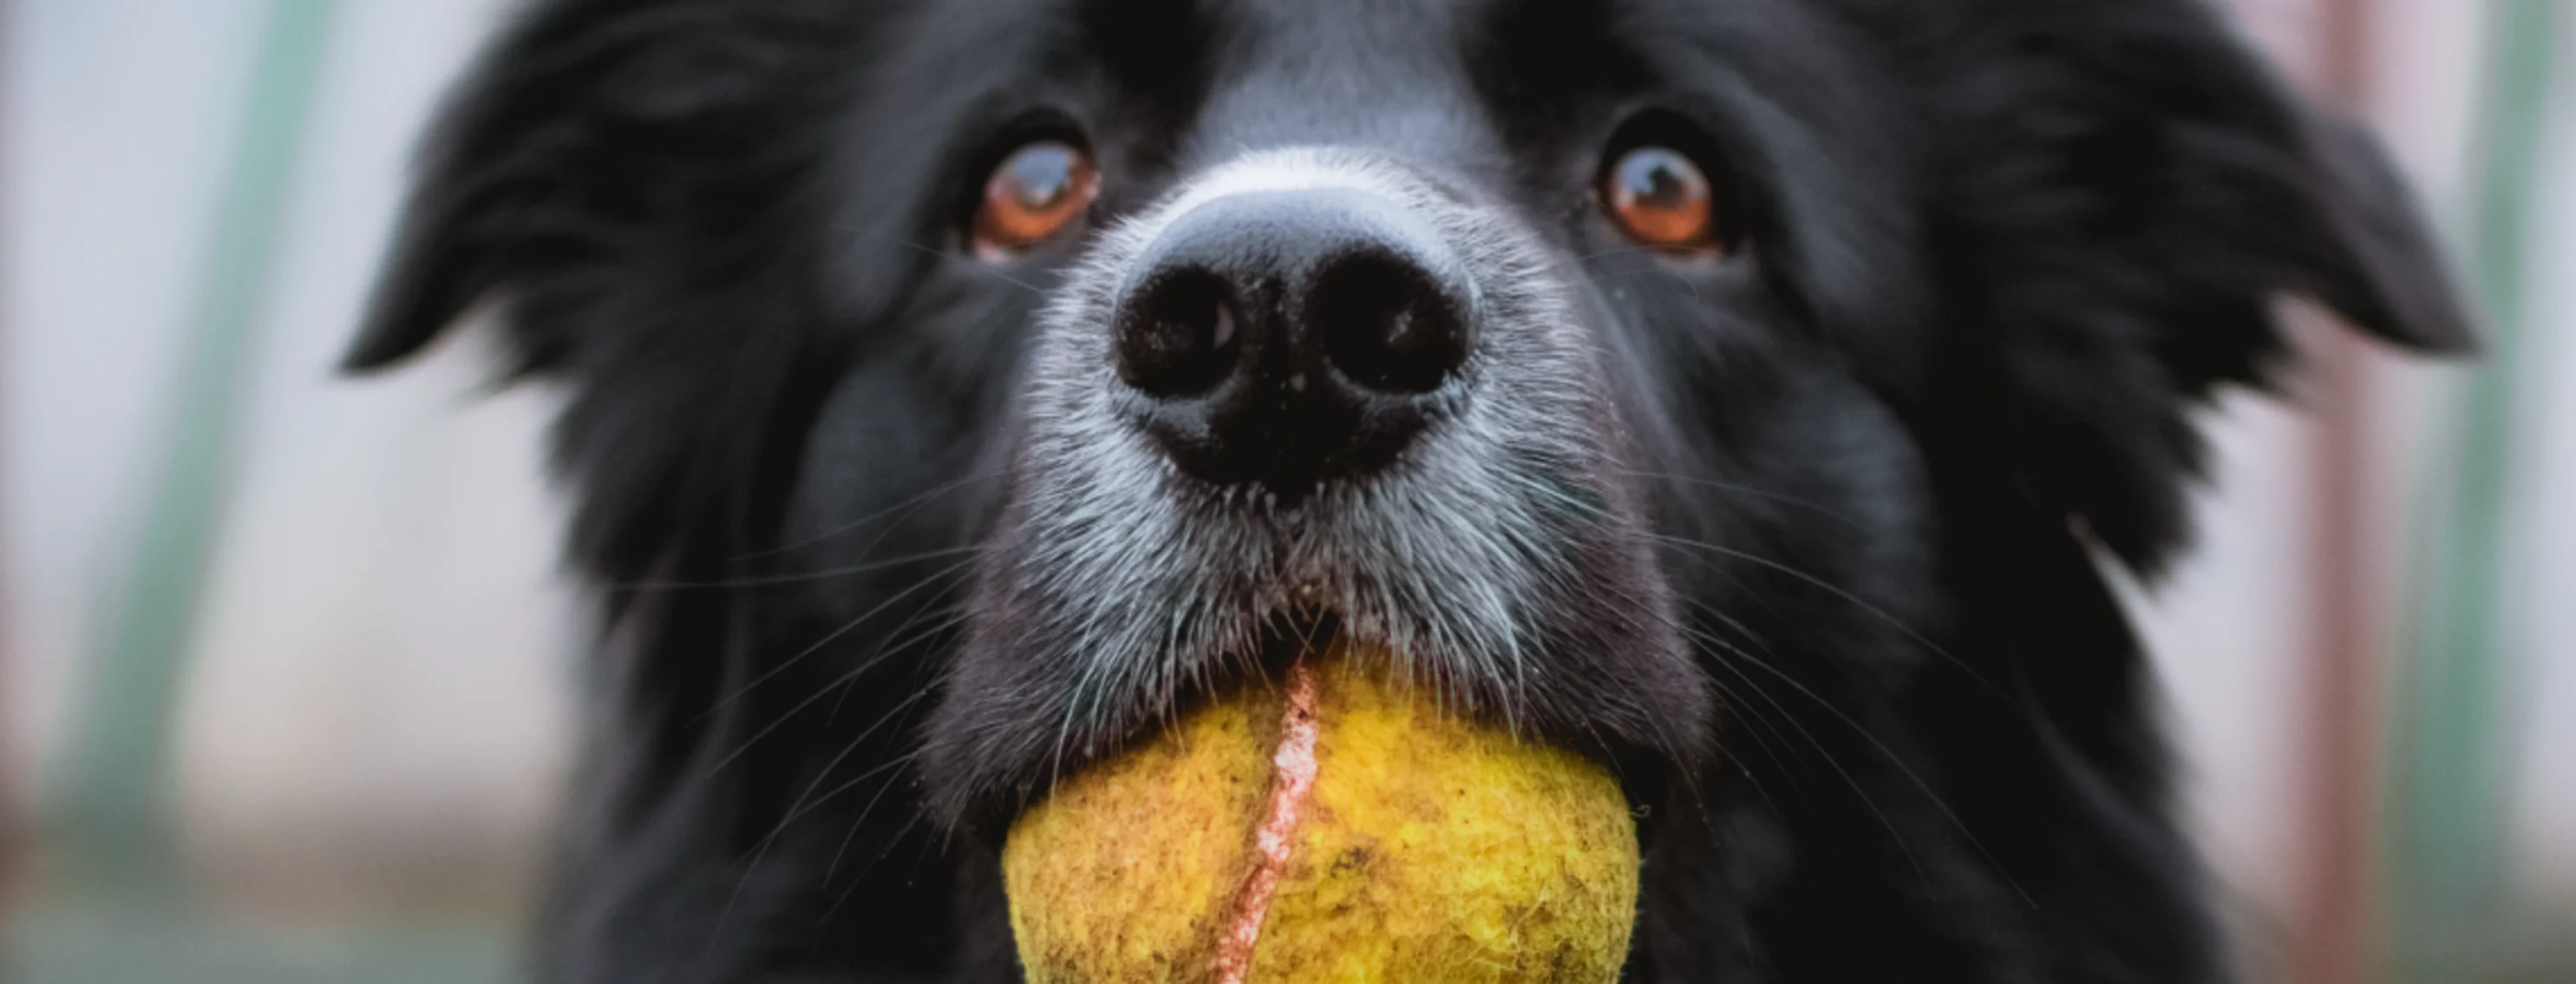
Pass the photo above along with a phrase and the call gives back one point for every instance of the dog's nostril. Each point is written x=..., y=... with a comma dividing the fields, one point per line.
x=1386, y=328
x=1179, y=337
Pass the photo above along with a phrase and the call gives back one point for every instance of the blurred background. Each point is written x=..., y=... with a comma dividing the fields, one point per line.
x=286, y=661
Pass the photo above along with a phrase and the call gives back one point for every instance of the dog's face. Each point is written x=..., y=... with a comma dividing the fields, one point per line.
x=1322, y=385
x=1612, y=363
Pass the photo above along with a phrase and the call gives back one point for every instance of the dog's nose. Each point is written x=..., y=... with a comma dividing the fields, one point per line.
x=1292, y=337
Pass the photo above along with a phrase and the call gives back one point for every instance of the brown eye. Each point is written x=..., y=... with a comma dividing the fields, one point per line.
x=1660, y=198
x=1033, y=194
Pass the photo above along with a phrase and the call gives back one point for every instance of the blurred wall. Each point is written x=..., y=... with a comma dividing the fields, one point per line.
x=2543, y=700
x=378, y=692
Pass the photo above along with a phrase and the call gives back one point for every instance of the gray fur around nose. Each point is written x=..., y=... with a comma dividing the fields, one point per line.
x=1288, y=235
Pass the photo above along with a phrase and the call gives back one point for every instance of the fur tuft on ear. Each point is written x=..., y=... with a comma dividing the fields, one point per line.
x=587, y=142
x=2126, y=191
x=623, y=180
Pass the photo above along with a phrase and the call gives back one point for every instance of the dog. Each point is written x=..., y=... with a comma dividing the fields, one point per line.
x=1746, y=395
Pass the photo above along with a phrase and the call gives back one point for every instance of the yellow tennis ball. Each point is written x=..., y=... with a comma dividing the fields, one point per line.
x=1335, y=828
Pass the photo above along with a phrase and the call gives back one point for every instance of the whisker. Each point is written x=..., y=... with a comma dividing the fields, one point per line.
x=803, y=577
x=1829, y=587
x=772, y=672
x=834, y=866
x=1770, y=750
x=1656, y=270
x=860, y=877
x=952, y=616
x=1750, y=636
x=1938, y=802
x=940, y=253
x=806, y=802
x=1858, y=790
x=762, y=851
x=1614, y=251
x=1722, y=646
x=907, y=506
x=1788, y=500
x=801, y=807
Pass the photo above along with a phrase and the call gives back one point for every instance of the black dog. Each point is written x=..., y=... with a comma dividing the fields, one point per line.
x=1735, y=391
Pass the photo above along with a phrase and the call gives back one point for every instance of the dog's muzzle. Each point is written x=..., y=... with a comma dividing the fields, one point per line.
x=1319, y=638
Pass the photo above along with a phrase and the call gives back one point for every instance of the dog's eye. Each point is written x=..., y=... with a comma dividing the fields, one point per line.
x=1033, y=194
x=1661, y=198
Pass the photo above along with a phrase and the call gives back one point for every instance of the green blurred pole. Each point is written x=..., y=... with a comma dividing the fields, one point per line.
x=111, y=814
x=2448, y=790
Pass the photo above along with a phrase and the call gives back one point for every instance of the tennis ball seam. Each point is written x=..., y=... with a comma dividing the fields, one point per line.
x=1292, y=790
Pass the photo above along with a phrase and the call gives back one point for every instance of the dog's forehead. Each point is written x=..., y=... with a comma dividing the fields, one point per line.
x=1390, y=74
x=1427, y=79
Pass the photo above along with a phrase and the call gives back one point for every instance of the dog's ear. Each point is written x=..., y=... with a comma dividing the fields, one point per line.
x=590, y=139
x=622, y=182
x=2127, y=192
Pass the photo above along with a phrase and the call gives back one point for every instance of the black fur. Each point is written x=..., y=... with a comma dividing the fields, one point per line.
x=2000, y=250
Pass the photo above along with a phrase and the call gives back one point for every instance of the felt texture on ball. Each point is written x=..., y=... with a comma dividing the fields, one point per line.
x=1332, y=827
